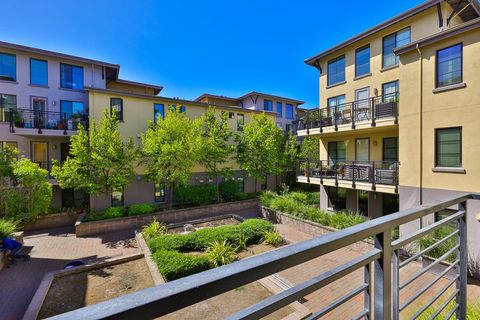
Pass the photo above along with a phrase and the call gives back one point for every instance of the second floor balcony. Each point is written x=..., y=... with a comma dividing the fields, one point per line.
x=50, y=123
x=359, y=114
x=364, y=175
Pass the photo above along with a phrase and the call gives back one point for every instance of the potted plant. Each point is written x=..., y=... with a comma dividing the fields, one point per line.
x=18, y=119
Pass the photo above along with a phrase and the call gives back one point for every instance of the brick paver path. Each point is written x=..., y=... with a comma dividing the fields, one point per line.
x=51, y=251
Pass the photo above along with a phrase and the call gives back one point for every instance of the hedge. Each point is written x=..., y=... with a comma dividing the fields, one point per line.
x=173, y=265
x=195, y=194
x=139, y=209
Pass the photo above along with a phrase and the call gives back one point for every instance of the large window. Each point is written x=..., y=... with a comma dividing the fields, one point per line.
x=336, y=71
x=390, y=149
x=183, y=109
x=158, y=110
x=117, y=197
x=448, y=147
x=240, y=121
x=7, y=102
x=67, y=108
x=5, y=144
x=333, y=102
x=449, y=66
x=38, y=72
x=362, y=149
x=279, y=109
x=390, y=91
x=267, y=105
x=117, y=105
x=390, y=42
x=336, y=151
x=71, y=77
x=8, y=67
x=159, y=192
x=362, y=61
x=289, y=111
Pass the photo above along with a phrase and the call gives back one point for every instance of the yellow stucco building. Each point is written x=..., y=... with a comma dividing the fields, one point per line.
x=398, y=116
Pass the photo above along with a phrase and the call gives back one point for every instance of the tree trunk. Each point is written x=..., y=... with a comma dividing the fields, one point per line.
x=217, y=186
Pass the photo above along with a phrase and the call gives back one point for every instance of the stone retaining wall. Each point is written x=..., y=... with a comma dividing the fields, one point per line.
x=83, y=229
x=54, y=220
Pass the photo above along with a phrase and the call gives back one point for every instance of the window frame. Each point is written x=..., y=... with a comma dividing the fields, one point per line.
x=119, y=114
x=4, y=112
x=396, y=148
x=164, y=197
x=328, y=69
x=15, y=67
x=162, y=114
x=72, y=66
x=240, y=125
x=265, y=105
x=396, y=44
x=293, y=111
x=437, y=65
x=279, y=106
x=122, y=198
x=356, y=60
x=436, y=147
x=40, y=60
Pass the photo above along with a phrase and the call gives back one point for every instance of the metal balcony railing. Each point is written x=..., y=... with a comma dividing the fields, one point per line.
x=374, y=172
x=381, y=286
x=359, y=111
x=32, y=119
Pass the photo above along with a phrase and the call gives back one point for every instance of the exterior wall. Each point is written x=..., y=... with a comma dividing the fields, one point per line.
x=130, y=88
x=282, y=121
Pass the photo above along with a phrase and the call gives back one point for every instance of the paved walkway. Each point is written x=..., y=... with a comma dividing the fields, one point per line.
x=50, y=251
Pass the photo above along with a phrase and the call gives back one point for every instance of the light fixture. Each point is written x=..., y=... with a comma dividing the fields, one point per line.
x=375, y=143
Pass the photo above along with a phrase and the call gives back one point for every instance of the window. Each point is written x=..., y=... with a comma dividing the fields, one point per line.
x=336, y=151
x=362, y=61
x=241, y=184
x=333, y=102
x=390, y=42
x=279, y=109
x=288, y=127
x=390, y=149
x=240, y=121
x=449, y=66
x=38, y=72
x=67, y=108
x=159, y=192
x=337, y=198
x=173, y=107
x=8, y=67
x=117, y=197
x=336, y=71
x=4, y=144
x=231, y=115
x=71, y=77
x=7, y=102
x=267, y=105
x=289, y=111
x=390, y=91
x=448, y=147
x=183, y=109
x=117, y=105
x=158, y=110
x=362, y=150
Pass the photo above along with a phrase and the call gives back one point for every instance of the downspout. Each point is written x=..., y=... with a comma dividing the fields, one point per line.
x=420, y=104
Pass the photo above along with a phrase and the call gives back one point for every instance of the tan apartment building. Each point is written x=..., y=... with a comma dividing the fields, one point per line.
x=398, y=117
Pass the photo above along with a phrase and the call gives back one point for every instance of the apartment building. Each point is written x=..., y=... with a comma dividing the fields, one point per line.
x=398, y=114
x=284, y=108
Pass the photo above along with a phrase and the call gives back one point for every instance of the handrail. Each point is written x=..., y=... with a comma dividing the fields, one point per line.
x=163, y=299
x=53, y=120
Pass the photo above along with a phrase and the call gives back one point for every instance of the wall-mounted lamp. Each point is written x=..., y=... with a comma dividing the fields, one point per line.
x=54, y=103
x=375, y=92
x=375, y=143
x=54, y=147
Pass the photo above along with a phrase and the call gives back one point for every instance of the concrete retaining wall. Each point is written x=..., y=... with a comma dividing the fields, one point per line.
x=83, y=229
x=54, y=220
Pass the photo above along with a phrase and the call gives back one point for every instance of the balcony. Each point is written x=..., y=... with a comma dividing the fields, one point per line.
x=48, y=123
x=359, y=114
x=380, y=270
x=372, y=175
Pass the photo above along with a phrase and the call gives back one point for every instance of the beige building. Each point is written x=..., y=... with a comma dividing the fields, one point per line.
x=398, y=121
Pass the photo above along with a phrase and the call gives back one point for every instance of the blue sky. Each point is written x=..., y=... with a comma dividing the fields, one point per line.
x=192, y=47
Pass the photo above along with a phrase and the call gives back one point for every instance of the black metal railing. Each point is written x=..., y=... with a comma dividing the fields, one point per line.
x=359, y=111
x=374, y=172
x=382, y=285
x=53, y=120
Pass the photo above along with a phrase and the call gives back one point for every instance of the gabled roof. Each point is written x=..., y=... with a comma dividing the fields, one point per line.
x=472, y=10
x=208, y=95
x=156, y=89
x=256, y=93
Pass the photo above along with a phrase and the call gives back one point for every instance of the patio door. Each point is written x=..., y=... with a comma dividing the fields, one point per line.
x=362, y=104
x=362, y=150
x=39, y=106
x=40, y=153
x=362, y=198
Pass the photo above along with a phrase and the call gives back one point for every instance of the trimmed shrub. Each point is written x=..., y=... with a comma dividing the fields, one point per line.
x=221, y=253
x=195, y=195
x=272, y=238
x=153, y=229
x=174, y=265
x=228, y=190
x=113, y=212
x=139, y=209
x=7, y=228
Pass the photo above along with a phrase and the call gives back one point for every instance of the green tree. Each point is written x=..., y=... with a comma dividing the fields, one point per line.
x=259, y=150
x=99, y=161
x=216, y=147
x=310, y=149
x=290, y=151
x=170, y=149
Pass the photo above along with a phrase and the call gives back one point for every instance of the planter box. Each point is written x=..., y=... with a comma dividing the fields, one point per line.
x=84, y=229
x=50, y=221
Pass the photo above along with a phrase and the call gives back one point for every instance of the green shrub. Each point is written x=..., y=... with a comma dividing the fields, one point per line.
x=444, y=247
x=195, y=195
x=272, y=238
x=473, y=312
x=246, y=196
x=221, y=253
x=266, y=197
x=229, y=190
x=174, y=265
x=153, y=229
x=7, y=228
x=313, y=198
x=139, y=209
x=113, y=212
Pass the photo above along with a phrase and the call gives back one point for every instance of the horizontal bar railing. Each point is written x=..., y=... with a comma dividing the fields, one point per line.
x=52, y=120
x=358, y=111
x=374, y=172
x=171, y=296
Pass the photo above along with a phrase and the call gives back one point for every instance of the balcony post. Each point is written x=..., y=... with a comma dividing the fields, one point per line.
x=383, y=276
x=352, y=113
x=335, y=117
x=462, y=256
x=12, y=122
x=396, y=108
x=372, y=176
x=308, y=170
x=321, y=171
x=353, y=175
x=320, y=119
x=65, y=124
x=373, y=108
